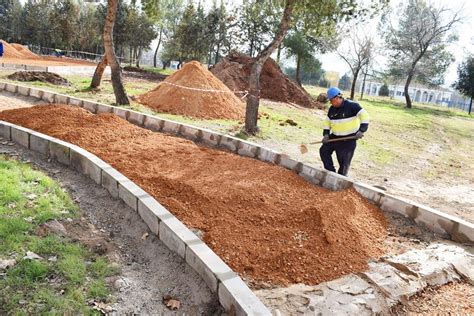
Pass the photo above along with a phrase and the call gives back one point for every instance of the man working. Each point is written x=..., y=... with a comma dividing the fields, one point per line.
x=345, y=119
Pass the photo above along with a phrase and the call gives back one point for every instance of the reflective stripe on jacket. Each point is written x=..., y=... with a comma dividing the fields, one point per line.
x=346, y=120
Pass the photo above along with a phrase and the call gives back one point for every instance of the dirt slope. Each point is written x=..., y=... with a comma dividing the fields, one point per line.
x=234, y=71
x=179, y=94
x=266, y=222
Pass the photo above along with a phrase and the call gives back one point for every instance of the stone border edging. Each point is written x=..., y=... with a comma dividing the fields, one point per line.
x=232, y=292
x=438, y=222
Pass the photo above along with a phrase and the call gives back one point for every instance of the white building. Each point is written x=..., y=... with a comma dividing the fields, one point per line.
x=418, y=92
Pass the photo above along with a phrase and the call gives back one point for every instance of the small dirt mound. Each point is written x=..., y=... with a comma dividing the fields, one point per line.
x=234, y=71
x=10, y=52
x=23, y=50
x=194, y=91
x=135, y=72
x=48, y=77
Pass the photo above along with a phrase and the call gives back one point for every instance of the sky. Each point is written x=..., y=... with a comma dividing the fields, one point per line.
x=460, y=49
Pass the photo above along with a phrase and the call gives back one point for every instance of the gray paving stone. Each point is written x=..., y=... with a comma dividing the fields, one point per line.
x=89, y=106
x=76, y=102
x=372, y=194
x=210, y=138
x=153, y=123
x=290, y=163
x=310, y=173
x=3, y=85
x=39, y=143
x=61, y=99
x=5, y=130
x=129, y=192
x=336, y=182
x=190, y=132
x=24, y=90
x=59, y=150
x=175, y=235
x=247, y=149
x=36, y=93
x=83, y=162
x=110, y=179
x=48, y=96
x=151, y=211
x=207, y=264
x=11, y=88
x=121, y=112
x=103, y=108
x=171, y=127
x=268, y=155
x=229, y=143
x=136, y=118
x=20, y=136
x=234, y=295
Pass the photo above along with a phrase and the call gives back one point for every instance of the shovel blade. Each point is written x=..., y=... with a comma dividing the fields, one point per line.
x=303, y=149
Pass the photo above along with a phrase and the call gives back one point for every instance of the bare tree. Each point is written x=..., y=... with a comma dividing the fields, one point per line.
x=357, y=54
x=418, y=44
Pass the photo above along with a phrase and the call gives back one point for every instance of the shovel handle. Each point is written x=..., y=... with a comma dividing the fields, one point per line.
x=336, y=139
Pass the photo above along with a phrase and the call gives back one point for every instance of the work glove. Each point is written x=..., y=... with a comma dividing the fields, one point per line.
x=325, y=139
x=359, y=135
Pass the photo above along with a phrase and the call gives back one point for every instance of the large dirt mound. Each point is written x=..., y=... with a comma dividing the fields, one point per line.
x=194, y=91
x=42, y=76
x=266, y=222
x=234, y=71
x=24, y=51
x=10, y=51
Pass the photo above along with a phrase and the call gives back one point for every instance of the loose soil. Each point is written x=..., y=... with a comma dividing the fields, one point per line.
x=450, y=299
x=149, y=270
x=142, y=74
x=174, y=96
x=24, y=51
x=42, y=76
x=266, y=222
x=234, y=71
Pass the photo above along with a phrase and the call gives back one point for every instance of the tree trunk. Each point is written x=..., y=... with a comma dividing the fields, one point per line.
x=407, y=85
x=140, y=50
x=363, y=83
x=354, y=80
x=253, y=99
x=119, y=90
x=278, y=54
x=470, y=106
x=298, y=68
x=99, y=71
x=157, y=47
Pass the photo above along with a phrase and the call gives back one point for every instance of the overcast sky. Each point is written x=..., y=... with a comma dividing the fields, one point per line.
x=460, y=49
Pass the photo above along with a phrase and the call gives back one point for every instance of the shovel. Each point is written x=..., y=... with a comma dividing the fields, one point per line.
x=304, y=149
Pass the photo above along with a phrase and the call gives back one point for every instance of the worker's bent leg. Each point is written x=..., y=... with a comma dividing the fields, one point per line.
x=325, y=152
x=344, y=153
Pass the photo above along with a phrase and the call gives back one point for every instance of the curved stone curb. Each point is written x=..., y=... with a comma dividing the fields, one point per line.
x=64, y=70
x=439, y=222
x=232, y=292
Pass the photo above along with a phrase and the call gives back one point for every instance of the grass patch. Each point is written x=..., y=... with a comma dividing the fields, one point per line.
x=28, y=198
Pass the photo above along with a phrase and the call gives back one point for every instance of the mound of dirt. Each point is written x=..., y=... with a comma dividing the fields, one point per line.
x=42, y=76
x=24, y=51
x=10, y=52
x=266, y=222
x=234, y=71
x=194, y=91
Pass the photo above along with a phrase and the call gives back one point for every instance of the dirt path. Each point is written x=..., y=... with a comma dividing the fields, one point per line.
x=149, y=271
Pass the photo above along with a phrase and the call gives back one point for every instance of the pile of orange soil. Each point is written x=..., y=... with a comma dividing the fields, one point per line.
x=181, y=93
x=264, y=221
x=234, y=71
x=10, y=52
x=24, y=51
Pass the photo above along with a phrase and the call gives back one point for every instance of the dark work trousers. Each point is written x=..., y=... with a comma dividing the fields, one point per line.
x=344, y=153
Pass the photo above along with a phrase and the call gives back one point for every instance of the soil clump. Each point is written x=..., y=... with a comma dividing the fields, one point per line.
x=265, y=222
x=42, y=76
x=139, y=73
x=194, y=91
x=234, y=71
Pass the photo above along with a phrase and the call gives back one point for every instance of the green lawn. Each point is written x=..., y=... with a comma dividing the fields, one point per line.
x=68, y=275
